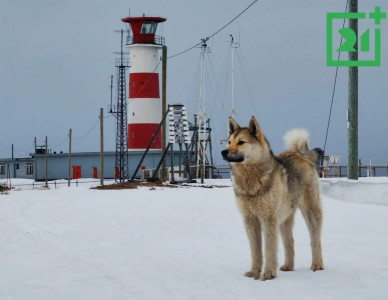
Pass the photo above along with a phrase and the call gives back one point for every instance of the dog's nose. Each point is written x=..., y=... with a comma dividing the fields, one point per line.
x=224, y=153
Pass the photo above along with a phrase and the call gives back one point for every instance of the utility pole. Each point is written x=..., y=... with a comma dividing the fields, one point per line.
x=35, y=162
x=353, y=101
x=69, y=169
x=12, y=151
x=46, y=160
x=102, y=146
x=164, y=108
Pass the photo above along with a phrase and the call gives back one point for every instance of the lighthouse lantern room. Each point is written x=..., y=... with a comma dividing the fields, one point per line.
x=144, y=113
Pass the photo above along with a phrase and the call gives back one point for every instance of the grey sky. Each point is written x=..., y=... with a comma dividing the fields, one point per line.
x=56, y=58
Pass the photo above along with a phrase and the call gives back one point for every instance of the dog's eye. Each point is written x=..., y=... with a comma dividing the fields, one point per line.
x=229, y=142
x=241, y=143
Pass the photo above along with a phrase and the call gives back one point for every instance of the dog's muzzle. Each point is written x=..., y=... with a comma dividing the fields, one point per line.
x=226, y=155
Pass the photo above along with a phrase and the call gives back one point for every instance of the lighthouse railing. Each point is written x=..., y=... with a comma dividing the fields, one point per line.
x=145, y=39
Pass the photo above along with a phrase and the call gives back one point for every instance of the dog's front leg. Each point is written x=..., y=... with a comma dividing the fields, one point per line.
x=270, y=229
x=253, y=229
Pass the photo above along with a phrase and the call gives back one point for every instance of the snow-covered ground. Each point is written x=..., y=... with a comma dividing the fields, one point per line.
x=185, y=243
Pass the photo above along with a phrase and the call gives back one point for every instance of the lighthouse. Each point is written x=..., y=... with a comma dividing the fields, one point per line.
x=144, y=109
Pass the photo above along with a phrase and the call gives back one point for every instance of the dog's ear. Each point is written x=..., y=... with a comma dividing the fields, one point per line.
x=255, y=129
x=233, y=126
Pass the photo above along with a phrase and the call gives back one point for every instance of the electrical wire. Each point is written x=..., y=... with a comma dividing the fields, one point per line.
x=215, y=95
x=22, y=152
x=246, y=82
x=217, y=103
x=225, y=86
x=61, y=143
x=214, y=33
x=192, y=105
x=89, y=131
x=4, y=149
x=335, y=83
x=231, y=21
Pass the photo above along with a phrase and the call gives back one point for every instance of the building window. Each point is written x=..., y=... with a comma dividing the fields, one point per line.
x=30, y=169
x=2, y=169
x=149, y=28
x=17, y=166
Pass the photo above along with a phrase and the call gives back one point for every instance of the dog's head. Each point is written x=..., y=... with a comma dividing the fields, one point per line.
x=245, y=145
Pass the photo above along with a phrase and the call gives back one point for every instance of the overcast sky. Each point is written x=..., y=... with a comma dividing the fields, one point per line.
x=56, y=58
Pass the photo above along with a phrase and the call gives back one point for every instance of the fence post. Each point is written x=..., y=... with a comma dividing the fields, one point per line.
x=143, y=173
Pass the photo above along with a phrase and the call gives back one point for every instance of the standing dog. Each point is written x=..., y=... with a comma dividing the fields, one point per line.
x=269, y=189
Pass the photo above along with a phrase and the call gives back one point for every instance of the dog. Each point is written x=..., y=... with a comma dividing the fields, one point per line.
x=269, y=189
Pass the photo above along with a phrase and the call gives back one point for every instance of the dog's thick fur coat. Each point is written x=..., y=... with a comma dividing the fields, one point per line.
x=269, y=189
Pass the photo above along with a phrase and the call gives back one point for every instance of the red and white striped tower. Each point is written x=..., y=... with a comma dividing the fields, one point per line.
x=144, y=113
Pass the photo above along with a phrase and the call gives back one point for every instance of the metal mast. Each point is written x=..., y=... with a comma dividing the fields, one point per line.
x=120, y=113
x=233, y=45
x=202, y=116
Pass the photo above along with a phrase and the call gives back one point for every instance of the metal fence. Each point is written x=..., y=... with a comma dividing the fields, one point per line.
x=328, y=171
x=363, y=171
x=218, y=172
x=50, y=184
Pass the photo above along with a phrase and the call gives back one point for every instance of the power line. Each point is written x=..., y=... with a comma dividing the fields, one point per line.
x=89, y=131
x=61, y=143
x=231, y=21
x=335, y=83
x=184, y=51
x=4, y=149
x=213, y=34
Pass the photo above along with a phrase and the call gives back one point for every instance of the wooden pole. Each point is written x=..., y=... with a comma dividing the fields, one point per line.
x=69, y=169
x=102, y=146
x=172, y=176
x=196, y=132
x=353, y=101
x=46, y=160
x=164, y=109
x=35, y=163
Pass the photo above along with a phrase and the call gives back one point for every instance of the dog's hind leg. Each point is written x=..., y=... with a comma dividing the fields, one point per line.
x=253, y=229
x=313, y=215
x=288, y=242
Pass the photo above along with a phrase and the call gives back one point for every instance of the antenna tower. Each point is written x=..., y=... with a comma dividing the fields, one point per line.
x=120, y=113
x=203, y=133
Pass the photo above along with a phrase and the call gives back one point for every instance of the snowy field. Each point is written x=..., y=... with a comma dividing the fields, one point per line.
x=183, y=243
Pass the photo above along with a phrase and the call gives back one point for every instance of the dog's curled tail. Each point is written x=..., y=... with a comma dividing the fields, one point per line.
x=297, y=140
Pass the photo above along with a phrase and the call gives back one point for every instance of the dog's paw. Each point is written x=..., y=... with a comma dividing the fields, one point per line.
x=254, y=274
x=287, y=268
x=269, y=274
x=317, y=267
